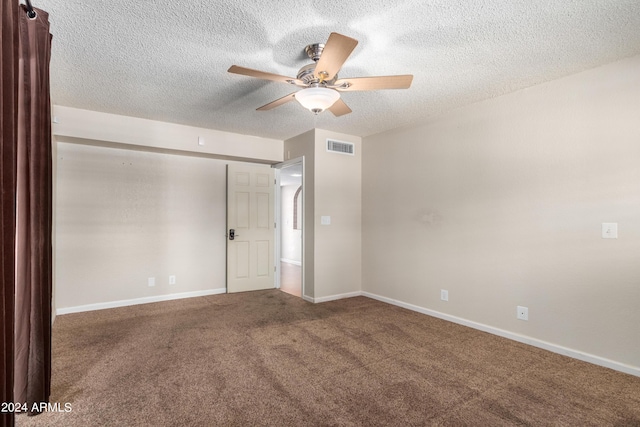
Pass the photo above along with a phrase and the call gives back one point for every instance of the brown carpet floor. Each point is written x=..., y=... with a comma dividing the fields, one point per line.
x=270, y=359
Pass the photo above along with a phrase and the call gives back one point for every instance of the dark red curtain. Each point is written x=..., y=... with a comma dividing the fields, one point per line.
x=33, y=218
x=26, y=207
x=8, y=132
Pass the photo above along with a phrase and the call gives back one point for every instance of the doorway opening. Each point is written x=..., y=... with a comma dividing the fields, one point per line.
x=290, y=227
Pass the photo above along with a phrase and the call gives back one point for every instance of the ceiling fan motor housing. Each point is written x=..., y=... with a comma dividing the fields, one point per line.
x=314, y=51
x=307, y=73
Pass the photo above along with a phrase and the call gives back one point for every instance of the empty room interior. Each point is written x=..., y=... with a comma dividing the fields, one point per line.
x=455, y=240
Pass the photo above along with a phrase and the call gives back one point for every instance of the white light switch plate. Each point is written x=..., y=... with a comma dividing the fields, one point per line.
x=609, y=230
x=325, y=220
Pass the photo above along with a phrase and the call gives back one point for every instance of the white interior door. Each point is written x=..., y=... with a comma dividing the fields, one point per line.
x=250, y=227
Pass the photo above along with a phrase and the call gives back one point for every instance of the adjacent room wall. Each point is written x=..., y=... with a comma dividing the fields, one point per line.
x=501, y=203
x=291, y=237
x=303, y=146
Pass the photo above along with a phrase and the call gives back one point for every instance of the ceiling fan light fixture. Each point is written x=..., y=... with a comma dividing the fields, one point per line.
x=317, y=99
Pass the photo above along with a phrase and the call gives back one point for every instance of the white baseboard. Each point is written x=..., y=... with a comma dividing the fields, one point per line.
x=576, y=354
x=145, y=300
x=291, y=261
x=336, y=297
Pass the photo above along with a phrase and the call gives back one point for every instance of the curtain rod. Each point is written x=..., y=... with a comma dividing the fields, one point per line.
x=30, y=12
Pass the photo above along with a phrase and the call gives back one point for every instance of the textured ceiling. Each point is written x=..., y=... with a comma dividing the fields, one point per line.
x=167, y=59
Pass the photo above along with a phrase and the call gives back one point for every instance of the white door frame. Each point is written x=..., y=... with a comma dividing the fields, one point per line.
x=278, y=240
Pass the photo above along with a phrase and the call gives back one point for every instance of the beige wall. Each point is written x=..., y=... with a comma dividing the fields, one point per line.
x=332, y=187
x=501, y=204
x=73, y=124
x=137, y=198
x=123, y=216
x=338, y=195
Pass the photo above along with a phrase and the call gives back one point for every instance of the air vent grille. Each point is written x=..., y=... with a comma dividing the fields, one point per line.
x=340, y=147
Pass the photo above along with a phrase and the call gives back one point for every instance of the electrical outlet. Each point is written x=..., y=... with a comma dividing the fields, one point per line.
x=172, y=280
x=609, y=230
x=522, y=313
x=444, y=295
x=151, y=281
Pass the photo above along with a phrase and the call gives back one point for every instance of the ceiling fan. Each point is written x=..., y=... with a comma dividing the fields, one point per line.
x=320, y=80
